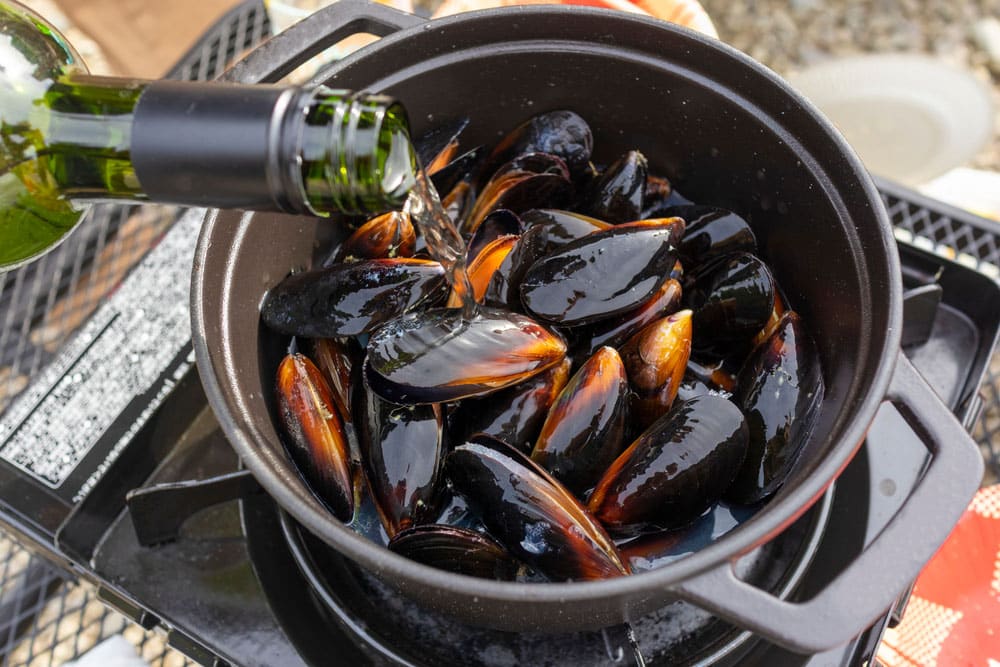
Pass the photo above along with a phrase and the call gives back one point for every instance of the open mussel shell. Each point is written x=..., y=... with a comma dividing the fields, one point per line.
x=504, y=288
x=401, y=450
x=514, y=415
x=675, y=470
x=585, y=428
x=385, y=236
x=529, y=181
x=617, y=194
x=485, y=265
x=712, y=232
x=601, y=275
x=561, y=133
x=780, y=391
x=561, y=227
x=456, y=172
x=438, y=356
x=498, y=223
x=457, y=550
x=530, y=513
x=731, y=303
x=338, y=359
x=616, y=331
x=316, y=437
x=655, y=359
x=353, y=298
x=438, y=146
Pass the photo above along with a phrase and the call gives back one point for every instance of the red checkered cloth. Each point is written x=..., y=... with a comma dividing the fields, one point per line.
x=953, y=617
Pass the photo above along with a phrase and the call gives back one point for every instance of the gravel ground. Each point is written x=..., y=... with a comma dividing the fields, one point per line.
x=787, y=35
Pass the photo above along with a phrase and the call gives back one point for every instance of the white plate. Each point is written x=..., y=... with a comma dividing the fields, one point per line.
x=910, y=117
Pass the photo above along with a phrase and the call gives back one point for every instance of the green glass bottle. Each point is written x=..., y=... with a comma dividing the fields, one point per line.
x=68, y=138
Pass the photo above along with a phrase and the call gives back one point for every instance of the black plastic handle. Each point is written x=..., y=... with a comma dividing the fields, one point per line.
x=870, y=584
x=283, y=53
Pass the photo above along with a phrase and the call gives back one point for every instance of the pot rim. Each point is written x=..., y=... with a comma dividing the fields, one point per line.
x=778, y=514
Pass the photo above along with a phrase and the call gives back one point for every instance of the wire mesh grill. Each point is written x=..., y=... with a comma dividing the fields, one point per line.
x=46, y=617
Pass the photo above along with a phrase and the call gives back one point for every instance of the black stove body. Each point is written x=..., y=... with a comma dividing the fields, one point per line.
x=174, y=534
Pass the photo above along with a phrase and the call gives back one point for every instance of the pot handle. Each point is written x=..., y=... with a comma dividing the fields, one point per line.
x=281, y=54
x=868, y=586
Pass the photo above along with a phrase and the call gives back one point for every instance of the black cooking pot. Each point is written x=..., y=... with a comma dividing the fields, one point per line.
x=727, y=131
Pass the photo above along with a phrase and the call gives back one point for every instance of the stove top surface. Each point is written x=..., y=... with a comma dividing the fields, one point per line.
x=231, y=587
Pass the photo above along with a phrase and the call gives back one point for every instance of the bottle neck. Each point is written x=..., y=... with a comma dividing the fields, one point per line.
x=263, y=148
x=290, y=149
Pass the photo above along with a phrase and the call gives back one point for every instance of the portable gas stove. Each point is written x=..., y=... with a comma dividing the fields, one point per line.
x=135, y=494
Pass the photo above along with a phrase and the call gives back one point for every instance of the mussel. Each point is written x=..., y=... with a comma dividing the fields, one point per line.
x=675, y=470
x=353, y=298
x=659, y=191
x=498, y=223
x=401, y=449
x=561, y=227
x=383, y=237
x=561, y=133
x=528, y=181
x=316, y=433
x=731, y=303
x=780, y=391
x=585, y=428
x=338, y=359
x=437, y=355
x=616, y=331
x=515, y=414
x=655, y=359
x=504, y=289
x=712, y=232
x=601, y=275
x=457, y=550
x=618, y=193
x=530, y=513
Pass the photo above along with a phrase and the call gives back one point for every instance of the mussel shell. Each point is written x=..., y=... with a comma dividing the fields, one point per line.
x=561, y=227
x=338, y=359
x=561, y=133
x=498, y=223
x=504, y=289
x=456, y=204
x=780, y=391
x=675, y=470
x=526, y=182
x=585, y=428
x=436, y=147
x=438, y=356
x=618, y=193
x=383, y=237
x=732, y=302
x=655, y=359
x=316, y=438
x=712, y=232
x=456, y=172
x=482, y=268
x=457, y=550
x=514, y=415
x=616, y=331
x=353, y=298
x=601, y=275
x=530, y=513
x=401, y=450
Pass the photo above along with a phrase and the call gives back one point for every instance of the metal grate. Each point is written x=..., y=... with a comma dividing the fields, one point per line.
x=47, y=618
x=974, y=242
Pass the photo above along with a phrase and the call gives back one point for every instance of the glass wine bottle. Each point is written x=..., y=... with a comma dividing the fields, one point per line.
x=68, y=138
